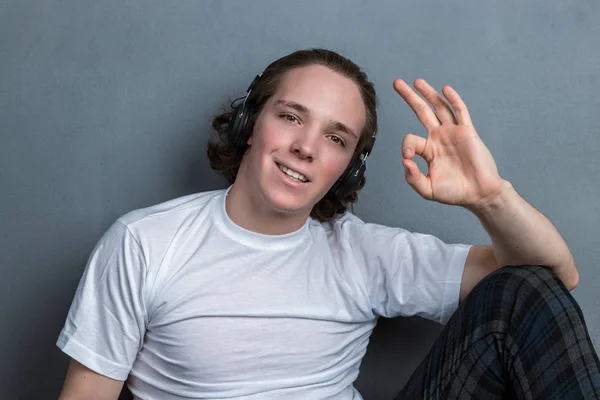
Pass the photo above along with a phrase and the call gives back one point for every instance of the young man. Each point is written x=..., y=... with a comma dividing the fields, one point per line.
x=270, y=289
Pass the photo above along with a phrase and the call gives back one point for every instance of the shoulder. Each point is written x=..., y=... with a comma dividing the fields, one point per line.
x=350, y=231
x=174, y=209
x=366, y=239
x=147, y=233
x=162, y=215
x=351, y=226
x=156, y=225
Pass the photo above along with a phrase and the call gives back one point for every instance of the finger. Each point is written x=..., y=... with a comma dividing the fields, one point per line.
x=419, y=106
x=442, y=108
x=413, y=144
x=415, y=178
x=460, y=108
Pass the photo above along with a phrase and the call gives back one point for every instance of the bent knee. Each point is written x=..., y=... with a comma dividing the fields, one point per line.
x=514, y=294
x=511, y=282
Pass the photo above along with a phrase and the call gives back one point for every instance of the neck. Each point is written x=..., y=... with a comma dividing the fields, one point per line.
x=245, y=210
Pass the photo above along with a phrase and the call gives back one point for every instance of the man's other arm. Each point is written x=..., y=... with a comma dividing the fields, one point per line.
x=83, y=383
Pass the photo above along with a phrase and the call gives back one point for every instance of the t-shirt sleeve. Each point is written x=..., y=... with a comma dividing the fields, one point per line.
x=408, y=273
x=107, y=320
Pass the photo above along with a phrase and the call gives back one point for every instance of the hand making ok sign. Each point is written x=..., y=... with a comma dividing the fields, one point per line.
x=462, y=170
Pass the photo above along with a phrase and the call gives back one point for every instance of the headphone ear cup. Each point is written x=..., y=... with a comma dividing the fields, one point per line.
x=237, y=129
x=350, y=181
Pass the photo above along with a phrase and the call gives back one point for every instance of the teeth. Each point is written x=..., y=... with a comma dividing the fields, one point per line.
x=292, y=173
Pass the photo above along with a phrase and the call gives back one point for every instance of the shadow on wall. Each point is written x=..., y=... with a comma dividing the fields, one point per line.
x=37, y=367
x=396, y=348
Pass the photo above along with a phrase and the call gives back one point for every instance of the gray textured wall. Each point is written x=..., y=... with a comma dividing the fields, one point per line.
x=105, y=107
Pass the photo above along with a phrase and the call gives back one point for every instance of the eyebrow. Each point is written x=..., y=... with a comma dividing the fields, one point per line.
x=303, y=110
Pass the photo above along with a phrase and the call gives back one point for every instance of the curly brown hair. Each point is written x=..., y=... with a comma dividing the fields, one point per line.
x=225, y=157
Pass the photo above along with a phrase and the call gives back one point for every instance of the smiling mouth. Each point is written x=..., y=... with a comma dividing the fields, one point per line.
x=292, y=174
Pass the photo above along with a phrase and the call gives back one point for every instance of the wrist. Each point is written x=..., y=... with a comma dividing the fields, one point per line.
x=495, y=201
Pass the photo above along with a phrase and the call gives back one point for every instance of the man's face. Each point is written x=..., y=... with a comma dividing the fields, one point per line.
x=310, y=126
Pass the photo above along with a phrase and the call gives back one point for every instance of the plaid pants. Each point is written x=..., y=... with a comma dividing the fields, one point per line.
x=518, y=335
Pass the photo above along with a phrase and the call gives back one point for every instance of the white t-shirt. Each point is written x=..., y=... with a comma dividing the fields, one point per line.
x=191, y=306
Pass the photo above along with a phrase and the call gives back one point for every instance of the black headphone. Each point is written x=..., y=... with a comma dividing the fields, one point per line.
x=238, y=132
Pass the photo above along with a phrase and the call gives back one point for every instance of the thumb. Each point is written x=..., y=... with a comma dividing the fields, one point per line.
x=416, y=179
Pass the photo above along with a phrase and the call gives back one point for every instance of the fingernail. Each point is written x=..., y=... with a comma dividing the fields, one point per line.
x=406, y=153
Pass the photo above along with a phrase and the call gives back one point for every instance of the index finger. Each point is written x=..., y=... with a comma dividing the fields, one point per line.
x=419, y=106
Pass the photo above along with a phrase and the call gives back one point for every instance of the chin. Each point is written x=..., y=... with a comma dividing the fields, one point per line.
x=291, y=205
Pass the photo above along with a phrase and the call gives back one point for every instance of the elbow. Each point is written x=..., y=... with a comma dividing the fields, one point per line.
x=571, y=279
x=574, y=283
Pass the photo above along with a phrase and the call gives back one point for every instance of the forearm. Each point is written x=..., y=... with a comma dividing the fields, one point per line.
x=520, y=234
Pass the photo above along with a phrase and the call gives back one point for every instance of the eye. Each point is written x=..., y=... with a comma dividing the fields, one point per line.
x=290, y=118
x=337, y=140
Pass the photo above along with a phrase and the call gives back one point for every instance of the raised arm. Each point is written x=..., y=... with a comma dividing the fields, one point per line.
x=463, y=172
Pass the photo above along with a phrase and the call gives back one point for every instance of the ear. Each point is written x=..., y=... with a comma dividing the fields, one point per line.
x=249, y=142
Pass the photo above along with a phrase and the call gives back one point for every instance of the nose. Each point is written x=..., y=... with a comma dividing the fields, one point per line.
x=305, y=146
